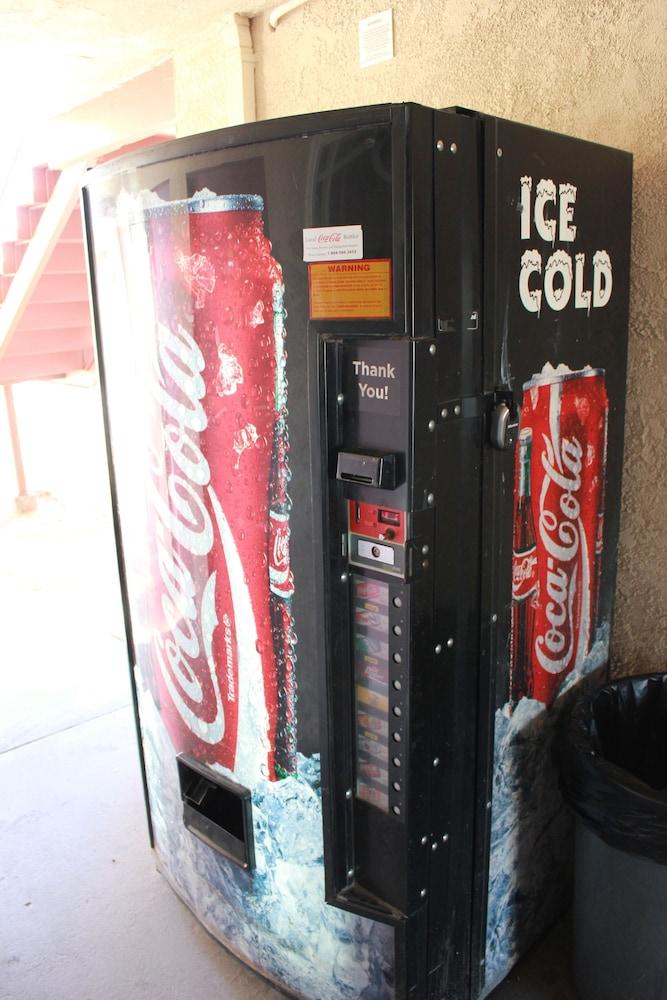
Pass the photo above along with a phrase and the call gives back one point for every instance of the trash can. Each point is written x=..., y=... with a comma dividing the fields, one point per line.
x=613, y=762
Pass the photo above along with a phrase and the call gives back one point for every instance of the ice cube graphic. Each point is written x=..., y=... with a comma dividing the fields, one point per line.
x=245, y=438
x=531, y=827
x=276, y=917
x=199, y=276
x=230, y=373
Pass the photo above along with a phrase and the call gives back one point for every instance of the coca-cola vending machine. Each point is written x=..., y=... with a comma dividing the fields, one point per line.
x=364, y=381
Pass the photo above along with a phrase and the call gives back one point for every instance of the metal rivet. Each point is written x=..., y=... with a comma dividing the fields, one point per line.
x=397, y=711
x=488, y=804
x=348, y=793
x=397, y=602
x=424, y=563
x=396, y=737
x=494, y=618
x=396, y=785
x=397, y=657
x=445, y=838
x=397, y=685
x=499, y=152
x=396, y=810
x=397, y=630
x=430, y=499
x=457, y=410
x=453, y=148
x=436, y=761
x=431, y=425
x=396, y=761
x=424, y=841
x=438, y=649
x=350, y=873
x=440, y=145
x=444, y=413
x=340, y=398
x=434, y=847
x=423, y=894
x=432, y=349
x=424, y=550
x=450, y=643
x=343, y=578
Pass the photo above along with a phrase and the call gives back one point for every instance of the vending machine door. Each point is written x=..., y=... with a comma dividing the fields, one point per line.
x=221, y=267
x=556, y=277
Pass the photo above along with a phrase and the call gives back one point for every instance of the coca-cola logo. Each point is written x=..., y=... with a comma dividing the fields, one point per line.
x=281, y=549
x=280, y=577
x=188, y=512
x=561, y=535
x=524, y=574
x=330, y=238
x=183, y=517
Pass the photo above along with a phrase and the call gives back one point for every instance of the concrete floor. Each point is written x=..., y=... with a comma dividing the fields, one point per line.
x=84, y=914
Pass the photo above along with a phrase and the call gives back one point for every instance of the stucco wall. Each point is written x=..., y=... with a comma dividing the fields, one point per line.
x=594, y=70
x=213, y=77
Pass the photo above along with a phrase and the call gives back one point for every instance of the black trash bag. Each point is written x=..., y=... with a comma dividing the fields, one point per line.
x=613, y=764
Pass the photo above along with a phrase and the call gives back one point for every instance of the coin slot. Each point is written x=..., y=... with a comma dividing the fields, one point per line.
x=392, y=517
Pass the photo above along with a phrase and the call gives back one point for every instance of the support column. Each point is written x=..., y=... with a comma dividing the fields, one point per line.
x=24, y=502
x=214, y=78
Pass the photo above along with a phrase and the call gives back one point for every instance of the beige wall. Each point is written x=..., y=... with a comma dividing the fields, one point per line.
x=594, y=69
x=213, y=77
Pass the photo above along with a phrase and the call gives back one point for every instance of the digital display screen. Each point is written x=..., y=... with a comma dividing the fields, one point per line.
x=370, y=630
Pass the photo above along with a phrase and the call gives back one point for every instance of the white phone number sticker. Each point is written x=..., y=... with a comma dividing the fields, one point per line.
x=333, y=243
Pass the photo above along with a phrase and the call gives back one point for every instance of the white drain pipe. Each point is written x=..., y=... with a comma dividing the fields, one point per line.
x=285, y=8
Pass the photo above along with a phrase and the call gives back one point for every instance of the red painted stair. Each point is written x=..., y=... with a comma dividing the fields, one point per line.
x=53, y=336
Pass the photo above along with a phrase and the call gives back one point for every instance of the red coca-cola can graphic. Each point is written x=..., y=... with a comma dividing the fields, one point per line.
x=565, y=413
x=219, y=606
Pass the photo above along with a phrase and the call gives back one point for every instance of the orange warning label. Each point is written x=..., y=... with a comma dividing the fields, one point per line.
x=354, y=289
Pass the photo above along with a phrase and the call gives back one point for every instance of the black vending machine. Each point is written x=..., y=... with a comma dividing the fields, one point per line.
x=364, y=378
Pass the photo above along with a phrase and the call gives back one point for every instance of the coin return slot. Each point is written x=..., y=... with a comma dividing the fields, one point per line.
x=217, y=811
x=378, y=553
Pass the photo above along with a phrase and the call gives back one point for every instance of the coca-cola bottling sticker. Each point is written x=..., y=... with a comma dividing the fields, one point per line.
x=333, y=243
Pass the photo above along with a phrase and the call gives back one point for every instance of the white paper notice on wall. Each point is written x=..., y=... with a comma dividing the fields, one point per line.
x=376, y=39
x=333, y=243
